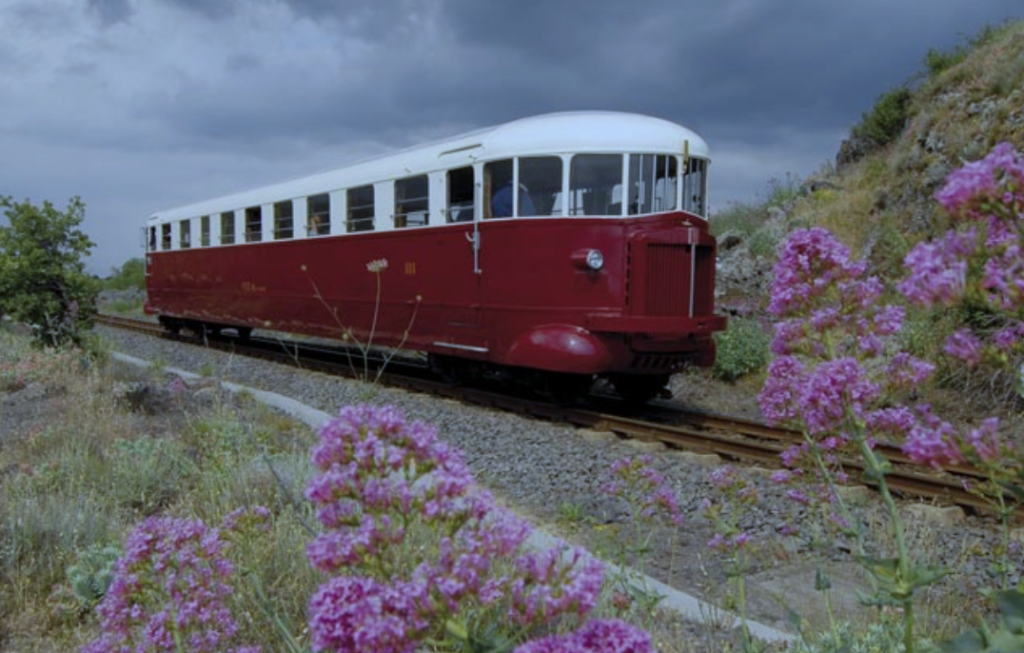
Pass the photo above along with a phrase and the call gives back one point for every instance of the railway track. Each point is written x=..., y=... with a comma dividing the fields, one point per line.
x=729, y=437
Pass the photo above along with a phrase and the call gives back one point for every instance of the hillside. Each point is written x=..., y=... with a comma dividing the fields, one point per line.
x=878, y=196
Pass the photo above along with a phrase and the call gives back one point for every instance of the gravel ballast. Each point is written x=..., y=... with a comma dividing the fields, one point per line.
x=553, y=474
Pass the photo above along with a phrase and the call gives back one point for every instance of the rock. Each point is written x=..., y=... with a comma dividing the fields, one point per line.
x=701, y=459
x=858, y=495
x=598, y=436
x=944, y=516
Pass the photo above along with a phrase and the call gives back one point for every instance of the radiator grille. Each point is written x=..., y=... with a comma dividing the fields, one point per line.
x=668, y=280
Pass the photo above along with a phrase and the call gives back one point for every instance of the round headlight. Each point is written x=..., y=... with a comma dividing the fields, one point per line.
x=595, y=259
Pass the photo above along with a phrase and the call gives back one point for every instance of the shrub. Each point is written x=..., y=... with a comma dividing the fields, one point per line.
x=884, y=123
x=42, y=272
x=742, y=349
x=132, y=274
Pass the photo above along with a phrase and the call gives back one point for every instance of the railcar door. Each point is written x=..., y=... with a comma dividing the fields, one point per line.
x=458, y=256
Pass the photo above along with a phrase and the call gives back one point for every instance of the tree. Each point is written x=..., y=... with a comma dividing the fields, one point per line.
x=42, y=274
x=132, y=274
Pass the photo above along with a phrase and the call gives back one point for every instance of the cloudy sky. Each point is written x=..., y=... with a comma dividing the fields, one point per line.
x=143, y=105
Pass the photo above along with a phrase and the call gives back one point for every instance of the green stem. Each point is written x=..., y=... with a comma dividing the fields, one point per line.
x=741, y=597
x=373, y=329
x=877, y=472
x=1004, y=527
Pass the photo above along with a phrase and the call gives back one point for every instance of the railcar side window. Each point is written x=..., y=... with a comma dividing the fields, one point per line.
x=652, y=183
x=595, y=184
x=284, y=222
x=460, y=195
x=227, y=228
x=165, y=236
x=412, y=202
x=204, y=231
x=152, y=239
x=540, y=185
x=695, y=181
x=185, y=234
x=318, y=215
x=498, y=192
x=360, y=209
x=253, y=225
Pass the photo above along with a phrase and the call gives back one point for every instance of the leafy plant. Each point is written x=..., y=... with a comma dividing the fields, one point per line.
x=741, y=349
x=131, y=274
x=850, y=638
x=884, y=123
x=1008, y=638
x=42, y=273
x=90, y=577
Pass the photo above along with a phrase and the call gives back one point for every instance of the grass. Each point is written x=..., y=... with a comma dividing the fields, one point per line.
x=78, y=481
x=119, y=445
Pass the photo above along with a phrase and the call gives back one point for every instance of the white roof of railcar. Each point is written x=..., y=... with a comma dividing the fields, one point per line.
x=553, y=133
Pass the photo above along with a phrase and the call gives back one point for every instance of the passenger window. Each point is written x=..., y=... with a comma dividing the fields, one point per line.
x=412, y=202
x=185, y=234
x=253, y=225
x=318, y=215
x=498, y=190
x=360, y=209
x=204, y=231
x=595, y=184
x=460, y=195
x=165, y=236
x=152, y=239
x=540, y=184
x=227, y=228
x=284, y=223
x=653, y=179
x=695, y=187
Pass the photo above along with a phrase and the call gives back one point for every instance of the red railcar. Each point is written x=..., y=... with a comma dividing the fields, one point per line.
x=562, y=248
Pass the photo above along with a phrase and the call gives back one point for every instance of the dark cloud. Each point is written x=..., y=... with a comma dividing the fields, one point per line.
x=193, y=97
x=110, y=11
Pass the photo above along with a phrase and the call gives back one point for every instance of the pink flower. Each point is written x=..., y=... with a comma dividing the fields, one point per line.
x=172, y=581
x=932, y=442
x=938, y=270
x=360, y=614
x=779, y=398
x=985, y=441
x=964, y=345
x=1001, y=168
x=597, y=636
x=644, y=489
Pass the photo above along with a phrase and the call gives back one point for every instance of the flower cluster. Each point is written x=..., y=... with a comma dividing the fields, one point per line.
x=377, y=266
x=381, y=481
x=546, y=587
x=831, y=373
x=598, y=636
x=984, y=261
x=644, y=489
x=736, y=492
x=169, y=592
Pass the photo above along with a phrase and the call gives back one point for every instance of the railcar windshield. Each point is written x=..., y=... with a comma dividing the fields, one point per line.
x=695, y=186
x=595, y=184
x=652, y=183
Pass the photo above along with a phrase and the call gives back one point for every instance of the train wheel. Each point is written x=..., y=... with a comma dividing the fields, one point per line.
x=454, y=370
x=244, y=333
x=639, y=388
x=173, y=327
x=443, y=366
x=566, y=389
